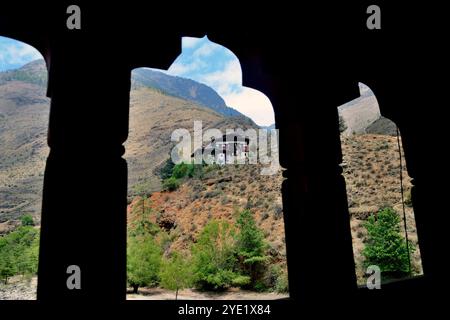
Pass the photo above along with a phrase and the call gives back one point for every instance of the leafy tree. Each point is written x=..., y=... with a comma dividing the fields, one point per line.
x=250, y=247
x=143, y=261
x=7, y=263
x=176, y=273
x=213, y=258
x=386, y=247
x=19, y=252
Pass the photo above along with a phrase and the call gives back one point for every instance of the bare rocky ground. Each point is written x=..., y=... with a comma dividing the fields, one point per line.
x=19, y=289
x=25, y=289
x=192, y=294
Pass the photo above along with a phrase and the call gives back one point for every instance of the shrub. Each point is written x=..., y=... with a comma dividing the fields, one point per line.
x=212, y=194
x=27, y=220
x=277, y=211
x=213, y=258
x=171, y=184
x=143, y=262
x=181, y=170
x=385, y=246
x=282, y=283
x=167, y=170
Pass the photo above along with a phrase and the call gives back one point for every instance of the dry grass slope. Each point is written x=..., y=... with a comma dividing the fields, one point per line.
x=371, y=168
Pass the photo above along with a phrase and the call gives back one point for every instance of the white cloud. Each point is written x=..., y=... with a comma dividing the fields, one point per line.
x=17, y=53
x=253, y=104
x=224, y=80
x=179, y=68
x=205, y=50
x=189, y=42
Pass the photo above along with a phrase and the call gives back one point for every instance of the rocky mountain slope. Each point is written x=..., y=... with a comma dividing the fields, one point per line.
x=24, y=111
x=182, y=88
x=154, y=113
x=371, y=167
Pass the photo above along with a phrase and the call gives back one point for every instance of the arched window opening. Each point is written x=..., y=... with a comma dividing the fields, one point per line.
x=378, y=192
x=205, y=208
x=24, y=111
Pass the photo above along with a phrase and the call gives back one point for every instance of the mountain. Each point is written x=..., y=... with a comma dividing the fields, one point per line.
x=382, y=126
x=371, y=167
x=34, y=72
x=182, y=88
x=153, y=117
x=218, y=193
x=24, y=112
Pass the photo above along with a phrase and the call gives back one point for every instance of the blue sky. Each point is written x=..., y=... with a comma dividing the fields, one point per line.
x=201, y=60
x=214, y=65
x=14, y=54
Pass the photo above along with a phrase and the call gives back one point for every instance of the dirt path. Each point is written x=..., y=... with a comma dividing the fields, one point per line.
x=191, y=294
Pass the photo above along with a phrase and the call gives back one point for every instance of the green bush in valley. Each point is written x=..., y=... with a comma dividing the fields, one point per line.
x=251, y=249
x=282, y=284
x=276, y=278
x=27, y=220
x=176, y=273
x=171, y=184
x=386, y=247
x=214, y=260
x=167, y=170
x=19, y=252
x=190, y=170
x=181, y=170
x=143, y=261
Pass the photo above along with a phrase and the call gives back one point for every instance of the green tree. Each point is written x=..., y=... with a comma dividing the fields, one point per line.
x=19, y=252
x=176, y=273
x=27, y=220
x=181, y=170
x=167, y=170
x=143, y=261
x=141, y=225
x=171, y=184
x=386, y=247
x=214, y=260
x=251, y=248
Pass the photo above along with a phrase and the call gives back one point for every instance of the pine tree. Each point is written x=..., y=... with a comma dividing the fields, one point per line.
x=386, y=247
x=250, y=247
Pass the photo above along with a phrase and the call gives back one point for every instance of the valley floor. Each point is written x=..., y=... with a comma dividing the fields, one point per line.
x=192, y=294
x=19, y=289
